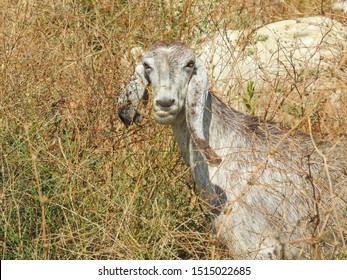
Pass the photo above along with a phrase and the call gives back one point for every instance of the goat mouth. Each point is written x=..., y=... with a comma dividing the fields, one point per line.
x=162, y=114
x=164, y=117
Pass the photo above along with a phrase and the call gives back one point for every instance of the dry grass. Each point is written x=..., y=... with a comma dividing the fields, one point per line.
x=74, y=183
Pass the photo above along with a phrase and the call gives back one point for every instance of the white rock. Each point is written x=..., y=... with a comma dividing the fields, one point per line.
x=290, y=61
x=340, y=5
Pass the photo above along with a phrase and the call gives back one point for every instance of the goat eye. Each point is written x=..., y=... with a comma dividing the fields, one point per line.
x=190, y=64
x=147, y=67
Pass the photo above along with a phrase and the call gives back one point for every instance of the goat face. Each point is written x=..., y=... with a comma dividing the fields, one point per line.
x=169, y=68
x=180, y=89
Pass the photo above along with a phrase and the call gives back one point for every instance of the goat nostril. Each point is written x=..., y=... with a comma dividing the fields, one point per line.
x=165, y=103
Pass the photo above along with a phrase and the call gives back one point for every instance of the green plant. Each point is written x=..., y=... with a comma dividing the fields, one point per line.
x=249, y=100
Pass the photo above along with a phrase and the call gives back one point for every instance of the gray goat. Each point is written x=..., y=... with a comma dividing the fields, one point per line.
x=271, y=192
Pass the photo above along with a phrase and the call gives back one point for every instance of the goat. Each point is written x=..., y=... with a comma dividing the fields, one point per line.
x=267, y=189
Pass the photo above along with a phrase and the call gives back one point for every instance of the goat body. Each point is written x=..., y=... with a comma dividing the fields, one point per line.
x=269, y=191
x=261, y=195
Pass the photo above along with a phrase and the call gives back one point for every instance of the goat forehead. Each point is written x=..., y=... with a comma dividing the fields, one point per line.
x=180, y=53
x=173, y=55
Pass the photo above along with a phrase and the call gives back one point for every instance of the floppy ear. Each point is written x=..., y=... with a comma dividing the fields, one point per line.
x=195, y=109
x=134, y=92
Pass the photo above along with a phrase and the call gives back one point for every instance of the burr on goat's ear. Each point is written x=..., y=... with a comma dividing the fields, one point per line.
x=195, y=108
x=130, y=98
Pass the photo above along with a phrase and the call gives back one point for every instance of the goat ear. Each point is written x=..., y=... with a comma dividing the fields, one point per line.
x=195, y=109
x=137, y=54
x=130, y=98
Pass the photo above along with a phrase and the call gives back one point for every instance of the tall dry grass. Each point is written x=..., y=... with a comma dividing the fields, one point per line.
x=74, y=183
